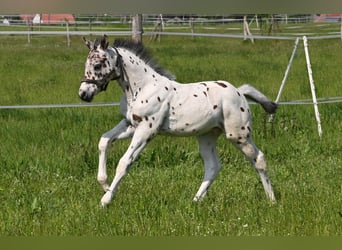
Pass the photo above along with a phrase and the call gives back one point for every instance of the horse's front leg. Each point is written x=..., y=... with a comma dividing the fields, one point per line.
x=123, y=130
x=140, y=138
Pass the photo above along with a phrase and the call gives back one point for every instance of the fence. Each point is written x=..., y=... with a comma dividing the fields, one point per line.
x=262, y=26
x=121, y=26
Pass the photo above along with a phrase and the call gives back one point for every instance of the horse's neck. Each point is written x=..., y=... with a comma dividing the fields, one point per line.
x=136, y=74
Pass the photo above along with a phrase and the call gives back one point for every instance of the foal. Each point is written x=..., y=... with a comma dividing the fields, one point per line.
x=154, y=103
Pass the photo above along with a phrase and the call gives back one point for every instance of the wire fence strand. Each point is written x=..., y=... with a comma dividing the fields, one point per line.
x=327, y=100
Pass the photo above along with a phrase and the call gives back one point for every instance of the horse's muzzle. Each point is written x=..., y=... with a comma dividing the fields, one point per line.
x=85, y=97
x=87, y=92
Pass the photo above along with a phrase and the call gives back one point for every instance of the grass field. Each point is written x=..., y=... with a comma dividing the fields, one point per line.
x=48, y=157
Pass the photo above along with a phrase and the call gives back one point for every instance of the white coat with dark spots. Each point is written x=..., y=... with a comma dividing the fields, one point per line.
x=154, y=103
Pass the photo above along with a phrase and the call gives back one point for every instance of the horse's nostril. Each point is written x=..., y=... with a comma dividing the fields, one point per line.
x=83, y=95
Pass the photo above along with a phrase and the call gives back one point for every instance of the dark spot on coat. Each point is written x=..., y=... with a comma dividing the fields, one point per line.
x=222, y=84
x=195, y=95
x=145, y=69
x=205, y=93
x=136, y=118
x=204, y=84
x=242, y=109
x=150, y=125
x=238, y=93
x=166, y=88
x=243, y=128
x=146, y=118
x=158, y=99
x=187, y=124
x=215, y=107
x=249, y=129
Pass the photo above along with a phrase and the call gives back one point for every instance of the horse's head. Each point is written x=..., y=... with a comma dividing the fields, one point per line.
x=102, y=65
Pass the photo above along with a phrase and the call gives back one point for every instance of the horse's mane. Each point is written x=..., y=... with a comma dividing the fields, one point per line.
x=139, y=50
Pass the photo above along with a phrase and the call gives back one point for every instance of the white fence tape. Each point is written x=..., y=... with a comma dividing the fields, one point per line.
x=151, y=33
x=328, y=100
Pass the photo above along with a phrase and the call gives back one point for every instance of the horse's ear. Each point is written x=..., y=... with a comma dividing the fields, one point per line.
x=88, y=43
x=104, y=42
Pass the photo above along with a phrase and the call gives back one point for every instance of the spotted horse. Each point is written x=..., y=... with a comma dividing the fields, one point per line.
x=154, y=103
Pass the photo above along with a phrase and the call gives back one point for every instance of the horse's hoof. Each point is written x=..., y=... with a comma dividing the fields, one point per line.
x=106, y=199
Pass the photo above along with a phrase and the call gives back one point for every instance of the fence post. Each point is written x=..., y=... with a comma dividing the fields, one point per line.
x=247, y=33
x=192, y=26
x=137, y=29
x=312, y=86
x=29, y=28
x=68, y=33
x=285, y=76
x=287, y=71
x=158, y=29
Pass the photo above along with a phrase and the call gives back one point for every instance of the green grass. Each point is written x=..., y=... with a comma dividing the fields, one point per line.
x=48, y=157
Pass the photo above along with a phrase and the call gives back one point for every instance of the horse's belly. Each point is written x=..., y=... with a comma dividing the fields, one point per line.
x=190, y=123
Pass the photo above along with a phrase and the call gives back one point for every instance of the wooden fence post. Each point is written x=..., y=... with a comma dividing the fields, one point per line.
x=137, y=29
x=67, y=32
x=246, y=32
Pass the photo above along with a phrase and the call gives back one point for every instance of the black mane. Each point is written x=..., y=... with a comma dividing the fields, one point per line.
x=144, y=55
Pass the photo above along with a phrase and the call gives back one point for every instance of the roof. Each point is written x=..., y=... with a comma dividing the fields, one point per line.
x=48, y=18
x=328, y=18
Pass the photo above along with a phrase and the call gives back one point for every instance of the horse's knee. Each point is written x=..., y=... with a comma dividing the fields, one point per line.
x=259, y=161
x=102, y=179
x=103, y=144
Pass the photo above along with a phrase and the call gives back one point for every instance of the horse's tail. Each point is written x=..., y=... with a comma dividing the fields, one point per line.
x=255, y=95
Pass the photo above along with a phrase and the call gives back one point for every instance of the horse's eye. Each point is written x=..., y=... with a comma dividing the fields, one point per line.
x=97, y=67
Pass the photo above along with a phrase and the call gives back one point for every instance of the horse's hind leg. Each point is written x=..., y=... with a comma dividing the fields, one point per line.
x=256, y=157
x=212, y=165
